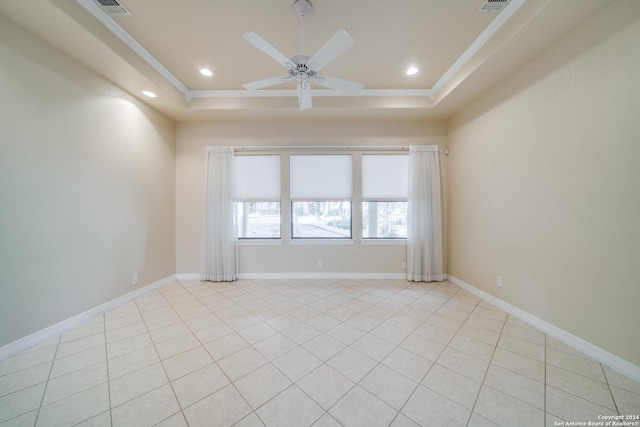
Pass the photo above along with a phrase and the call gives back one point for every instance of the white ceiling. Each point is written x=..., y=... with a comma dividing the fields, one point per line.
x=460, y=52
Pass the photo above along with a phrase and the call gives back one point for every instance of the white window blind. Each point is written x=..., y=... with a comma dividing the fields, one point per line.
x=385, y=177
x=257, y=178
x=321, y=177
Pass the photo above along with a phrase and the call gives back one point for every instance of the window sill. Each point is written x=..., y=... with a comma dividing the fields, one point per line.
x=320, y=242
x=259, y=242
x=384, y=242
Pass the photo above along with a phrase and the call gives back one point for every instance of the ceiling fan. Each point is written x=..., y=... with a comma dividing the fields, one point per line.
x=302, y=68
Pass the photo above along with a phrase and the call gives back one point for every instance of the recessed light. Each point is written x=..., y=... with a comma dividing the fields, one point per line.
x=149, y=93
x=411, y=71
x=206, y=72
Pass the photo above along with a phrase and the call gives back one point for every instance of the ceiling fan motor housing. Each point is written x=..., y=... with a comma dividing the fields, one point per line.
x=299, y=69
x=302, y=8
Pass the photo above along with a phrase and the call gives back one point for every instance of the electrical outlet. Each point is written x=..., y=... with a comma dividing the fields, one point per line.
x=134, y=279
x=320, y=264
x=404, y=265
x=499, y=281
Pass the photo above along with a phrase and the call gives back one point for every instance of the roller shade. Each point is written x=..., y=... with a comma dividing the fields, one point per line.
x=385, y=177
x=321, y=177
x=257, y=178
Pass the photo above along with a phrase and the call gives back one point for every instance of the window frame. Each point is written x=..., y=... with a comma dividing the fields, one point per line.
x=380, y=199
x=356, y=200
x=344, y=193
x=245, y=201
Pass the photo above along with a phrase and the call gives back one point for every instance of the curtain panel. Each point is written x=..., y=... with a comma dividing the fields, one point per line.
x=219, y=243
x=424, y=218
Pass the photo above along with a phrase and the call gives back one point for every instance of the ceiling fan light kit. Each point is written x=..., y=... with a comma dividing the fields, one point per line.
x=304, y=69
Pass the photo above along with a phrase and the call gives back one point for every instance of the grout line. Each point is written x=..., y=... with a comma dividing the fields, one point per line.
x=544, y=391
x=231, y=383
x=435, y=361
x=159, y=360
x=487, y=371
x=44, y=392
x=106, y=357
x=615, y=404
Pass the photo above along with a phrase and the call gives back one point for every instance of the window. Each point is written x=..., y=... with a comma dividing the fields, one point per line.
x=258, y=195
x=384, y=194
x=321, y=192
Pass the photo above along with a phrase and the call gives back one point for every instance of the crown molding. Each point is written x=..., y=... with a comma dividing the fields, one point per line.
x=430, y=93
x=478, y=43
x=133, y=44
x=294, y=93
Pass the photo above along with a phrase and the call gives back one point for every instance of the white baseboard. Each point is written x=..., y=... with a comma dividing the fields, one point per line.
x=611, y=360
x=188, y=276
x=29, y=341
x=319, y=276
x=304, y=276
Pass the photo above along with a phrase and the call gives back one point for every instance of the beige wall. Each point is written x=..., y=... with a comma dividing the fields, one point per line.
x=192, y=139
x=87, y=189
x=544, y=185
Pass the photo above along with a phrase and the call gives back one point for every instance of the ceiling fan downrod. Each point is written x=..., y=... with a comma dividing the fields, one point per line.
x=302, y=8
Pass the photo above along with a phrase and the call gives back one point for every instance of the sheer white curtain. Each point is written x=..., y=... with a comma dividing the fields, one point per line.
x=219, y=248
x=424, y=233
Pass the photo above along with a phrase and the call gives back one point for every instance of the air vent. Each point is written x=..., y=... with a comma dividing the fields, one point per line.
x=493, y=5
x=113, y=7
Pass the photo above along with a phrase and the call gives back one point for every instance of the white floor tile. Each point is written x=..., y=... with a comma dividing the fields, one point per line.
x=225, y=346
x=24, y=378
x=21, y=402
x=27, y=359
x=137, y=383
x=146, y=410
x=516, y=385
x=352, y=364
x=408, y=364
x=388, y=385
x=261, y=385
x=133, y=361
x=327, y=353
x=77, y=381
x=581, y=386
x=278, y=411
x=324, y=346
x=241, y=363
x=464, y=364
x=505, y=410
x=452, y=385
x=187, y=362
x=426, y=407
x=199, y=384
x=75, y=408
x=570, y=407
x=360, y=408
x=275, y=346
x=297, y=363
x=325, y=385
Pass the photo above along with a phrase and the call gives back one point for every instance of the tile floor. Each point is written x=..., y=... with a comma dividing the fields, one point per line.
x=308, y=353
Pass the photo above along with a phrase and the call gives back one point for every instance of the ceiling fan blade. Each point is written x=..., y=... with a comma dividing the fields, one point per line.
x=334, y=47
x=266, y=82
x=304, y=96
x=346, y=86
x=264, y=46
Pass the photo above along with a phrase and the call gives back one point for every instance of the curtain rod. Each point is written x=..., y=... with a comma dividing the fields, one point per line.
x=323, y=147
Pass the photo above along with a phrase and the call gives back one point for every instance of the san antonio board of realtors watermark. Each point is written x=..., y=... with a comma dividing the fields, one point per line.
x=605, y=421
